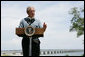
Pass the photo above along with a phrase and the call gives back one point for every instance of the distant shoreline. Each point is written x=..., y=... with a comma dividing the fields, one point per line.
x=46, y=49
x=46, y=52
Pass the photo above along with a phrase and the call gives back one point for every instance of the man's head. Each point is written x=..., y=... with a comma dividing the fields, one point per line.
x=31, y=11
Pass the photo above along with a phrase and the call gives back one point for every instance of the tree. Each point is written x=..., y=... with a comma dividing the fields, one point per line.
x=77, y=21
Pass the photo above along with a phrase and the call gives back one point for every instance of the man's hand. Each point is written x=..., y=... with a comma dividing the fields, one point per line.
x=44, y=26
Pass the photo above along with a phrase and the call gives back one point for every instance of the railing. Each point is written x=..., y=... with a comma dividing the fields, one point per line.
x=43, y=52
x=59, y=51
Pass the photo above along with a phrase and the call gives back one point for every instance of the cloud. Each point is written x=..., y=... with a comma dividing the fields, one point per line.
x=14, y=44
x=57, y=34
x=62, y=40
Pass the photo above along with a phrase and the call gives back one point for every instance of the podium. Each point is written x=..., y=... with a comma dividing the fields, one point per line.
x=30, y=31
x=39, y=32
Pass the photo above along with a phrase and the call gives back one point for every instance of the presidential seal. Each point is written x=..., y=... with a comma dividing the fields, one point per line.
x=29, y=31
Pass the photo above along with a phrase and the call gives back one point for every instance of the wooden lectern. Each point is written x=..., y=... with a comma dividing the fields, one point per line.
x=30, y=31
x=39, y=32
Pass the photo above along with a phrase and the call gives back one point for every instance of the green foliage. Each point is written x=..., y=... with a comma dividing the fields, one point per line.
x=77, y=21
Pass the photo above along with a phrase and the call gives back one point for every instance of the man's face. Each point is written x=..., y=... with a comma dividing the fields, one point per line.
x=31, y=12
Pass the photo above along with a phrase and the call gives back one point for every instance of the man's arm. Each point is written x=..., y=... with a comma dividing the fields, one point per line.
x=44, y=25
x=21, y=25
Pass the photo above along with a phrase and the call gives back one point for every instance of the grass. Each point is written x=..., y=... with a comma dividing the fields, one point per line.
x=5, y=55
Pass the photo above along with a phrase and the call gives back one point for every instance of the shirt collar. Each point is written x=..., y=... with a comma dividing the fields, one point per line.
x=30, y=18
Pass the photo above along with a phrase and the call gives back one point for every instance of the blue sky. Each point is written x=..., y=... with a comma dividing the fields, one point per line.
x=54, y=13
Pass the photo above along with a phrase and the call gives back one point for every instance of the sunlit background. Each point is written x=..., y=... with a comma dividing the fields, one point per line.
x=54, y=13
